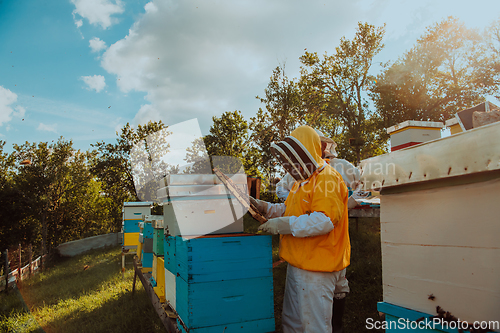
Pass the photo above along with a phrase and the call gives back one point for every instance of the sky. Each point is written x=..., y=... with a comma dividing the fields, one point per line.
x=82, y=69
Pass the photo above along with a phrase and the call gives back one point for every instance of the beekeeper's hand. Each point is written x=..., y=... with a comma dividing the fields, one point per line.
x=269, y=210
x=278, y=225
x=262, y=206
x=351, y=202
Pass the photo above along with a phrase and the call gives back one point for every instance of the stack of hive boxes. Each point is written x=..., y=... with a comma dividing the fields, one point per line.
x=216, y=278
x=439, y=227
x=147, y=245
x=132, y=215
x=158, y=274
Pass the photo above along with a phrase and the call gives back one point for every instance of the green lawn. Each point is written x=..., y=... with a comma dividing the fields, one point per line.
x=69, y=298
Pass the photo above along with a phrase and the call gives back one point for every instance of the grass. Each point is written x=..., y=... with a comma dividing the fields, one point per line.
x=66, y=297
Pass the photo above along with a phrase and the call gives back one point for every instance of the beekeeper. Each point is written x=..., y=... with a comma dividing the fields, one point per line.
x=313, y=223
x=351, y=176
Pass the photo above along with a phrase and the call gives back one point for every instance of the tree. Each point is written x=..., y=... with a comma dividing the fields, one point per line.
x=282, y=114
x=336, y=86
x=229, y=136
x=489, y=69
x=14, y=205
x=111, y=165
x=46, y=182
x=445, y=72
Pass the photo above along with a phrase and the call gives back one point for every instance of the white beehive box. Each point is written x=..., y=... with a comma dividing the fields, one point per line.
x=135, y=210
x=440, y=223
x=199, y=205
x=411, y=132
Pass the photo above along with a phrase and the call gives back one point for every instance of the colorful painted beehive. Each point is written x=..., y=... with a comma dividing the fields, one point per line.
x=198, y=204
x=158, y=277
x=132, y=215
x=147, y=247
x=439, y=226
x=410, y=133
x=222, y=282
x=170, y=264
x=157, y=224
x=453, y=125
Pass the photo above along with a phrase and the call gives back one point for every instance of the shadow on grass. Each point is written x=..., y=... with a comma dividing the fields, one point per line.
x=72, y=277
x=124, y=313
x=15, y=315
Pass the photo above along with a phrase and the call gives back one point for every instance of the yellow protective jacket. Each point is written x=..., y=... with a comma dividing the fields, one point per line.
x=324, y=192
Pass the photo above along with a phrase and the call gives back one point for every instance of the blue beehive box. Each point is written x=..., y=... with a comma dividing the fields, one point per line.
x=222, y=282
x=148, y=230
x=147, y=261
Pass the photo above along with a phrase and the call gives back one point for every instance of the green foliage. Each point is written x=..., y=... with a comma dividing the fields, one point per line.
x=282, y=114
x=229, y=136
x=110, y=163
x=55, y=196
x=335, y=87
x=449, y=69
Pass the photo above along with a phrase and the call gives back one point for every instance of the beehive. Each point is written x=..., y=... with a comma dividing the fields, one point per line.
x=147, y=248
x=158, y=276
x=157, y=224
x=453, y=125
x=132, y=214
x=200, y=204
x=222, y=282
x=410, y=133
x=439, y=225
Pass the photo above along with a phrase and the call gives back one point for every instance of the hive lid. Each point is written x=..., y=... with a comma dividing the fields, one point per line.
x=200, y=179
x=414, y=123
x=138, y=204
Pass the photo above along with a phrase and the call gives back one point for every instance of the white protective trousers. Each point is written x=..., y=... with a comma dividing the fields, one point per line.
x=308, y=300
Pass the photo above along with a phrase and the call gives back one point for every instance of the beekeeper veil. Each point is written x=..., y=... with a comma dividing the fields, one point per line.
x=299, y=153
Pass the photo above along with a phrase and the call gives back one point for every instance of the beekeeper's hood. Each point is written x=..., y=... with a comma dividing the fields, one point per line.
x=329, y=151
x=299, y=153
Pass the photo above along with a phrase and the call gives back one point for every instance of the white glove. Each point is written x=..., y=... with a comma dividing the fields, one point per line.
x=269, y=210
x=278, y=225
x=351, y=202
x=262, y=206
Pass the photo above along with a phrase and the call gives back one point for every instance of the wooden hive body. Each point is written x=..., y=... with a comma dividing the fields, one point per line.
x=132, y=214
x=223, y=282
x=440, y=225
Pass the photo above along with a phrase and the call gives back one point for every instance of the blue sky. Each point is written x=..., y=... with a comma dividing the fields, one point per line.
x=82, y=69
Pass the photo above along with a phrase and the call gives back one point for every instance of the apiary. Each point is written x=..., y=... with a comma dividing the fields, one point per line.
x=410, y=133
x=199, y=204
x=222, y=282
x=439, y=226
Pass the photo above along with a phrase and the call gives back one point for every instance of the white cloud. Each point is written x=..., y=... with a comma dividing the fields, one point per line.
x=97, y=45
x=96, y=82
x=47, y=128
x=97, y=12
x=150, y=7
x=197, y=60
x=7, y=111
